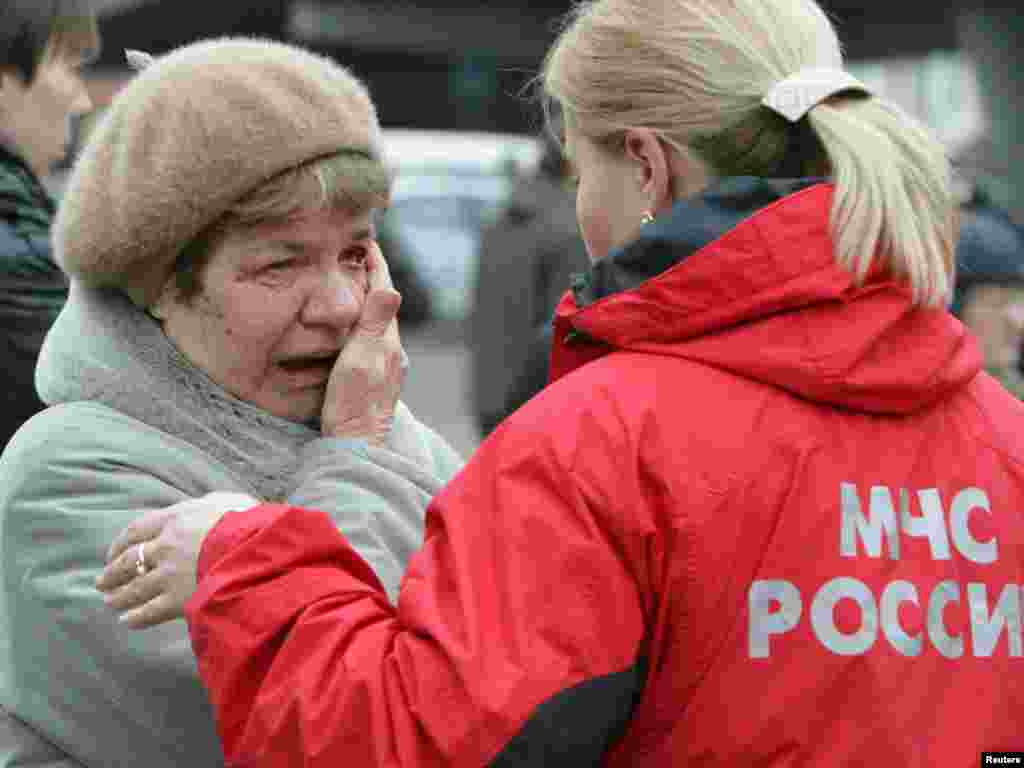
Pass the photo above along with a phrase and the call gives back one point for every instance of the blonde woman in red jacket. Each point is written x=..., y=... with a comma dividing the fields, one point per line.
x=767, y=513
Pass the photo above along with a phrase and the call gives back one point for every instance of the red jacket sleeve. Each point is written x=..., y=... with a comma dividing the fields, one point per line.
x=516, y=640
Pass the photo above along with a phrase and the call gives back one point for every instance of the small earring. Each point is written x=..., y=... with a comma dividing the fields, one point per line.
x=646, y=218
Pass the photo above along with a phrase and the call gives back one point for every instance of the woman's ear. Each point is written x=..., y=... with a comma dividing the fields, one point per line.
x=666, y=173
x=651, y=164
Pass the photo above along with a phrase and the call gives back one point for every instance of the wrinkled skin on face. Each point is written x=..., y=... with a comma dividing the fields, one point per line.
x=278, y=303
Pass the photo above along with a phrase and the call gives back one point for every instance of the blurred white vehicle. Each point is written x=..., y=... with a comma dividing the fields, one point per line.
x=447, y=185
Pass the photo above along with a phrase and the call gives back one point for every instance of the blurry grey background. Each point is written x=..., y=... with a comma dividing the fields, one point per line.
x=460, y=65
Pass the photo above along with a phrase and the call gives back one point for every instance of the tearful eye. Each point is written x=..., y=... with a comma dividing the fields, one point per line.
x=278, y=266
x=354, y=257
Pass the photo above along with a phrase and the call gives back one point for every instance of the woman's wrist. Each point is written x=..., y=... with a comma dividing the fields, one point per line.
x=374, y=428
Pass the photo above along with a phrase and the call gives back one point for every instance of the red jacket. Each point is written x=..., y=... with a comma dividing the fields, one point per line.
x=762, y=518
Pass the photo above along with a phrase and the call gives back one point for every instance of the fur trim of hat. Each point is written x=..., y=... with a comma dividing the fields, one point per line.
x=188, y=137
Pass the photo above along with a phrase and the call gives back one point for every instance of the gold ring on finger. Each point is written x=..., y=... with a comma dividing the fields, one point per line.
x=140, y=562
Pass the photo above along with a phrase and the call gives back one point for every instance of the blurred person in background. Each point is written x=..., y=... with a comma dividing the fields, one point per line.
x=525, y=258
x=43, y=46
x=768, y=511
x=218, y=229
x=989, y=295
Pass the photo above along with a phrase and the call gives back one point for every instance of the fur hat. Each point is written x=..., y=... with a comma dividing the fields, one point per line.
x=189, y=136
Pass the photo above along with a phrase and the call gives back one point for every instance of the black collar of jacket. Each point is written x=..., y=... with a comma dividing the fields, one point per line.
x=21, y=188
x=689, y=226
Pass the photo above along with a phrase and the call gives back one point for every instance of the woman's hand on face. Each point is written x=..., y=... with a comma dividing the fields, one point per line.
x=364, y=386
x=172, y=538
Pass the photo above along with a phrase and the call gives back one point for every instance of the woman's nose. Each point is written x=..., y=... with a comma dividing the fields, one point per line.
x=334, y=302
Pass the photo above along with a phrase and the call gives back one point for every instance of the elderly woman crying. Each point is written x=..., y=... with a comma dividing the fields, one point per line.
x=219, y=234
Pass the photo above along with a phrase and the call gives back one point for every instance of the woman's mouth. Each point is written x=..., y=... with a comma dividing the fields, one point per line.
x=314, y=369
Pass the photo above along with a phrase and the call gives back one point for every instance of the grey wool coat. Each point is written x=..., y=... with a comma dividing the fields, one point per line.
x=132, y=427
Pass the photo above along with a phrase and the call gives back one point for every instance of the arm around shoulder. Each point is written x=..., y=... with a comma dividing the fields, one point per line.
x=517, y=640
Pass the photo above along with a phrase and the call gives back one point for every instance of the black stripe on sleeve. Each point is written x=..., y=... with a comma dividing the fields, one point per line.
x=577, y=726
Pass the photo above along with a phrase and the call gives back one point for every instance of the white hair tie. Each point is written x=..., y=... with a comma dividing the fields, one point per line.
x=795, y=96
x=138, y=60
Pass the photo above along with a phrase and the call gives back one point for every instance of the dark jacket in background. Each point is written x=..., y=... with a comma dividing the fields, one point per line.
x=526, y=259
x=32, y=288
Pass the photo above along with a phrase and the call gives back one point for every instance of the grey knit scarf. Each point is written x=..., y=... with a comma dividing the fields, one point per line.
x=104, y=349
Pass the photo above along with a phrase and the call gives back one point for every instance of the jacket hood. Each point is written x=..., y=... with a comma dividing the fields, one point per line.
x=743, y=278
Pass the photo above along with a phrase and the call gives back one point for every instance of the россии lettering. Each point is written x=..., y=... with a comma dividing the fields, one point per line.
x=955, y=619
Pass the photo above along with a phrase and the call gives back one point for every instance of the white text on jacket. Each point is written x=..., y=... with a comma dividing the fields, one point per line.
x=848, y=618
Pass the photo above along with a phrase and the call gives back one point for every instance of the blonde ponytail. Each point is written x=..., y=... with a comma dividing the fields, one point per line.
x=893, y=196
